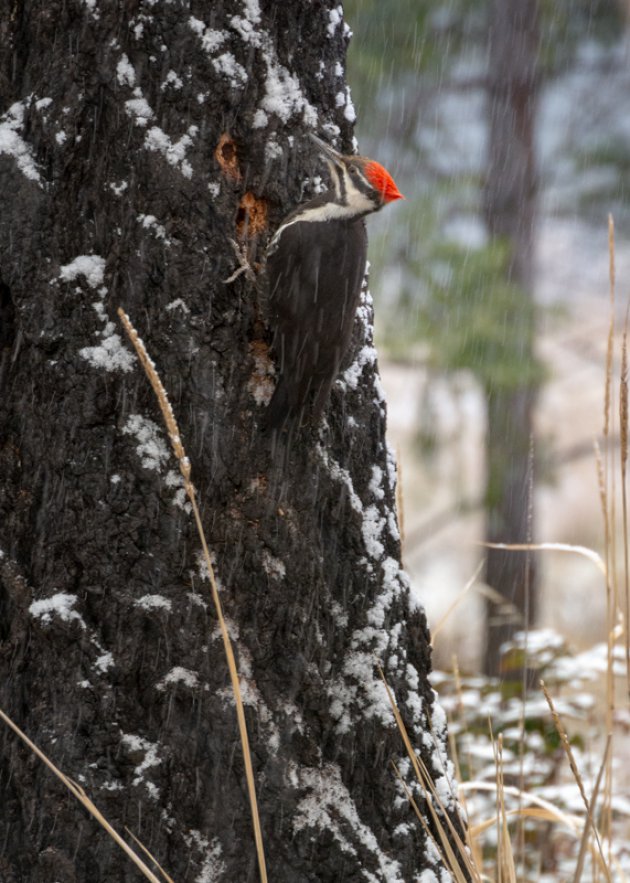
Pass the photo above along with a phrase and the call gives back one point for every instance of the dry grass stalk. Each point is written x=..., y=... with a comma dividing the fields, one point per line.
x=566, y=745
x=506, y=872
x=184, y=465
x=541, y=810
x=456, y=859
x=459, y=877
x=141, y=846
x=611, y=326
x=85, y=801
x=610, y=524
x=552, y=547
x=623, y=428
x=473, y=843
x=589, y=822
x=544, y=808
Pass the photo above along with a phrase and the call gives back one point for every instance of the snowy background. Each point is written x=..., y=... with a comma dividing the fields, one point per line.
x=582, y=111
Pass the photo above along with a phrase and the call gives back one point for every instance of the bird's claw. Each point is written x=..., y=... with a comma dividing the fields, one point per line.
x=244, y=265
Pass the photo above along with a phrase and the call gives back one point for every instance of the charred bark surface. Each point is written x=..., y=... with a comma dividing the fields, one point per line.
x=136, y=139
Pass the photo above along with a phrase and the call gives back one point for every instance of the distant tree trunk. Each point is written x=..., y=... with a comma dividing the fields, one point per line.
x=135, y=140
x=510, y=213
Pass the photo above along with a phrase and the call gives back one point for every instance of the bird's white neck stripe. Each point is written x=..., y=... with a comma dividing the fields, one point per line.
x=329, y=211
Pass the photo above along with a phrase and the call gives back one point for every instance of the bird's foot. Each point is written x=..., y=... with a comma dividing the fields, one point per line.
x=244, y=265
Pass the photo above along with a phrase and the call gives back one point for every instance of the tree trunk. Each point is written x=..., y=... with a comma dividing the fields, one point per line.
x=510, y=210
x=136, y=139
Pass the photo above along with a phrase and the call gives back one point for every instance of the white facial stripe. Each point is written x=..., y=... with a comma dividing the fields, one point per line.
x=327, y=211
x=334, y=177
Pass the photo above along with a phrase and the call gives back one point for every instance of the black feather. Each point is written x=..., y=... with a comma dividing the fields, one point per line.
x=315, y=271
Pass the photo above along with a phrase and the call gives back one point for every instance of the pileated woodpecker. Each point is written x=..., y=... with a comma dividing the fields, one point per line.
x=315, y=268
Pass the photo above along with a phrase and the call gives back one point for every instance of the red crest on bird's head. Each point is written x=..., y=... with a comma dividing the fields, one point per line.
x=382, y=181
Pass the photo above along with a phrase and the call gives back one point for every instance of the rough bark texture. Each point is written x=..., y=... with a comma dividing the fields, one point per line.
x=135, y=139
x=510, y=211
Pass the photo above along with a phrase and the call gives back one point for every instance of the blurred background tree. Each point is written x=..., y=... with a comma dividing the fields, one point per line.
x=454, y=278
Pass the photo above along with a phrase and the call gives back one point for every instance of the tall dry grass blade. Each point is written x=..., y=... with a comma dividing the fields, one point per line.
x=141, y=846
x=498, y=794
x=78, y=792
x=456, y=864
x=591, y=554
x=185, y=469
x=566, y=745
x=542, y=809
x=505, y=863
x=571, y=822
x=611, y=326
x=611, y=537
x=623, y=429
x=589, y=822
x=427, y=830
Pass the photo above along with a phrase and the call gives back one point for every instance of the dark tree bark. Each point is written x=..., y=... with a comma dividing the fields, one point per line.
x=136, y=139
x=510, y=213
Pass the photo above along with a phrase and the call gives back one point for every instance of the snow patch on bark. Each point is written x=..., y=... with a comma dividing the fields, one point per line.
x=251, y=696
x=212, y=868
x=172, y=80
x=136, y=744
x=110, y=354
x=156, y=140
x=365, y=358
x=175, y=480
x=349, y=112
x=328, y=806
x=376, y=483
x=338, y=473
x=283, y=96
x=435, y=741
x=150, y=222
x=227, y=65
x=283, y=92
x=60, y=605
x=179, y=675
x=138, y=109
x=90, y=266
x=104, y=662
x=335, y=18
x=177, y=304
x=173, y=151
x=151, y=447
x=372, y=528
x=358, y=687
x=12, y=144
x=211, y=40
x=273, y=567
x=154, y=602
x=92, y=8
x=125, y=73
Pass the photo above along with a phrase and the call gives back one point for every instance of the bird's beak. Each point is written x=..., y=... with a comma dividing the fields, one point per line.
x=326, y=150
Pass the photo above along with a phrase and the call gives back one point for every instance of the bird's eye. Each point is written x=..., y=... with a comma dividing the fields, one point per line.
x=354, y=171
